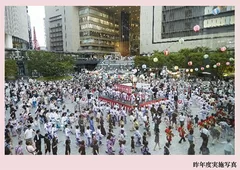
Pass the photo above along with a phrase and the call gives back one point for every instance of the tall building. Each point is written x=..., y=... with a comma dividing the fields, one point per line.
x=92, y=30
x=163, y=26
x=29, y=32
x=16, y=27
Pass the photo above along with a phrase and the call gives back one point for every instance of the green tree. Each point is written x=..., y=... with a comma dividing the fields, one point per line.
x=182, y=57
x=10, y=69
x=49, y=64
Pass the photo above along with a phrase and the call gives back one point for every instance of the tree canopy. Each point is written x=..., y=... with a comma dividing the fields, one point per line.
x=49, y=64
x=196, y=55
x=10, y=69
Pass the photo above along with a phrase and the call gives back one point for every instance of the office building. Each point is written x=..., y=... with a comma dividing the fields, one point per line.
x=94, y=31
x=29, y=32
x=163, y=26
x=16, y=27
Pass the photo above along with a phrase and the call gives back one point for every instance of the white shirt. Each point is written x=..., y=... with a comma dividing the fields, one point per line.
x=67, y=132
x=181, y=118
x=88, y=133
x=77, y=132
x=205, y=131
x=28, y=134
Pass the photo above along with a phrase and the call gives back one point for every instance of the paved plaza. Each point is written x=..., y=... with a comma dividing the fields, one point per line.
x=175, y=149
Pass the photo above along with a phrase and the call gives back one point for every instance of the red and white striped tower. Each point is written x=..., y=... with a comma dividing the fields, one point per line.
x=35, y=41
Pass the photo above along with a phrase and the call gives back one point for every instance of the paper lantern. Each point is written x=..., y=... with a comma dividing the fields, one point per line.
x=227, y=63
x=176, y=67
x=218, y=64
x=187, y=70
x=144, y=66
x=231, y=59
x=207, y=66
x=196, y=28
x=190, y=63
x=166, y=52
x=216, y=11
x=181, y=40
x=191, y=70
x=223, y=49
x=196, y=69
x=202, y=68
x=214, y=66
x=155, y=59
x=205, y=56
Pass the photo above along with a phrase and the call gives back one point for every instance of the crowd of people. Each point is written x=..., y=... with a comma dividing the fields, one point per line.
x=40, y=113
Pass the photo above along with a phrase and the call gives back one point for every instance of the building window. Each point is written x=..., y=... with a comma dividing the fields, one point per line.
x=163, y=29
x=171, y=29
x=188, y=13
x=164, y=17
x=171, y=16
x=187, y=25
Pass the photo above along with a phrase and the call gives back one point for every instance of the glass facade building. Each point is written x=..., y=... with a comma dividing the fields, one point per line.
x=163, y=26
x=93, y=30
x=99, y=31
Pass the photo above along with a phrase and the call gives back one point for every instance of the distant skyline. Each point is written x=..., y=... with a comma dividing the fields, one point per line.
x=37, y=15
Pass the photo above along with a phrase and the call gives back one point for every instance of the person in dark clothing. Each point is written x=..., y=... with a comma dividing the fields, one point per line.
x=156, y=140
x=191, y=150
x=166, y=149
x=38, y=142
x=196, y=119
x=67, y=147
x=82, y=149
x=132, y=144
x=8, y=147
x=81, y=124
x=204, y=149
x=229, y=107
x=174, y=119
x=103, y=131
x=54, y=145
x=47, y=144
x=153, y=111
x=145, y=149
x=160, y=110
x=7, y=132
x=144, y=138
x=95, y=148
x=157, y=121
